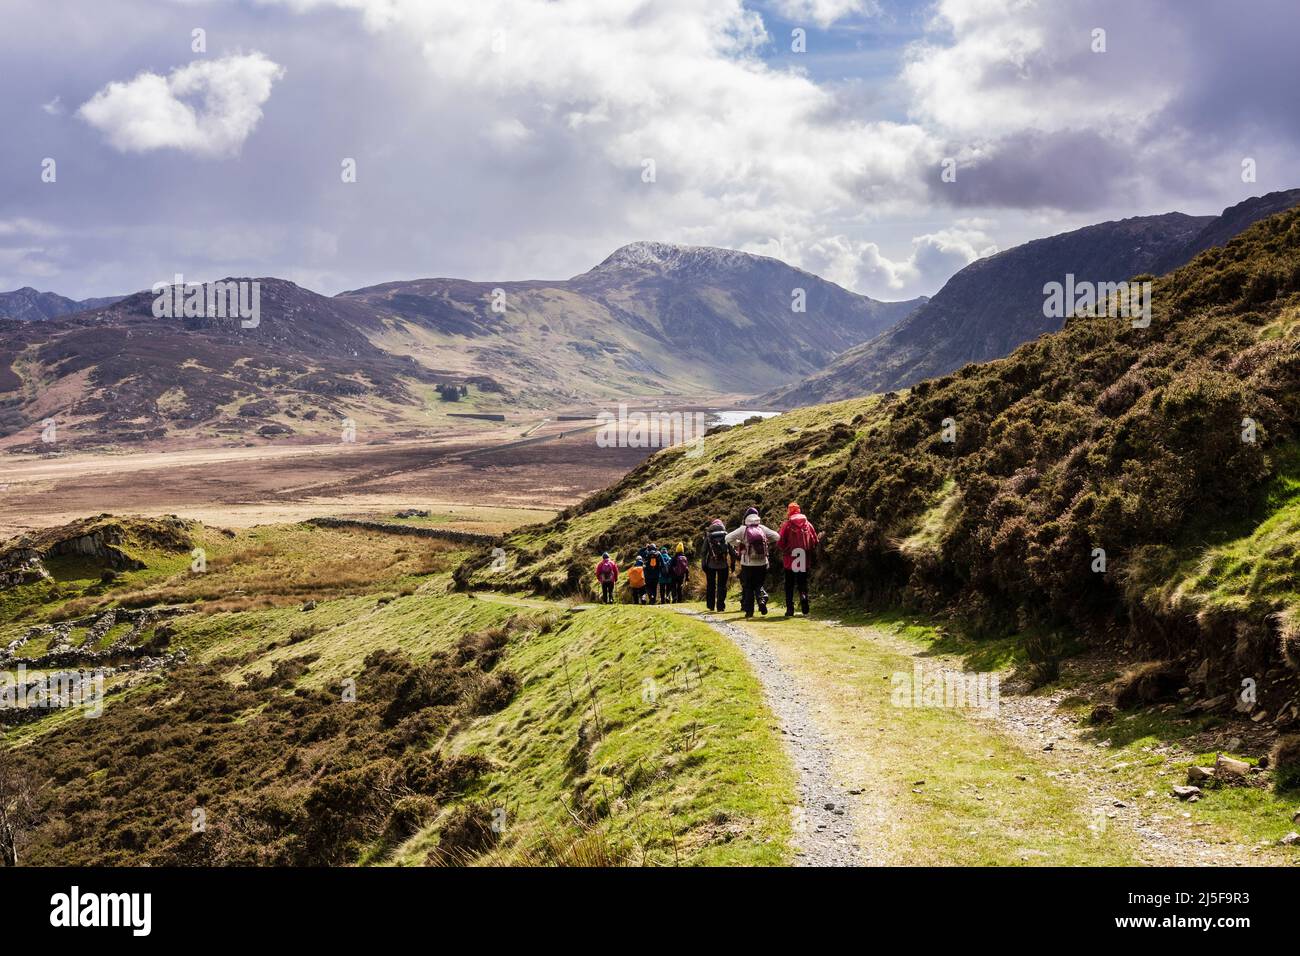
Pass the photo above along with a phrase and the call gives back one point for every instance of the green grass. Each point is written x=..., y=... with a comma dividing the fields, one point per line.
x=934, y=524
x=487, y=519
x=257, y=568
x=683, y=769
x=1137, y=758
x=345, y=631
x=1255, y=568
x=1140, y=760
x=930, y=635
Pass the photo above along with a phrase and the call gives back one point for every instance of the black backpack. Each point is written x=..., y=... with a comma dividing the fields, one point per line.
x=718, y=547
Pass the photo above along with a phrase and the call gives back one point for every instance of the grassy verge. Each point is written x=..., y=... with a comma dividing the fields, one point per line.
x=1139, y=756
x=643, y=725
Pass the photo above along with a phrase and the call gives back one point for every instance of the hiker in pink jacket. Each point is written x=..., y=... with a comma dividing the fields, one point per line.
x=607, y=575
x=797, y=540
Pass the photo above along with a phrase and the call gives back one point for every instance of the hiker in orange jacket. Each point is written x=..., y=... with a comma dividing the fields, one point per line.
x=797, y=540
x=636, y=580
x=607, y=575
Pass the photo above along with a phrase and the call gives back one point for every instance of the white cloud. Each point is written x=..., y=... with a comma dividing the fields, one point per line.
x=740, y=148
x=21, y=226
x=527, y=161
x=508, y=132
x=207, y=108
x=54, y=107
x=825, y=12
x=861, y=265
x=1017, y=65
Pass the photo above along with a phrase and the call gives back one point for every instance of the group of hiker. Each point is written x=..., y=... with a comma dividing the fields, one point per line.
x=659, y=575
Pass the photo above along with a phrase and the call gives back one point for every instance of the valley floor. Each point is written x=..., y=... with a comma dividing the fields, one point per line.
x=495, y=481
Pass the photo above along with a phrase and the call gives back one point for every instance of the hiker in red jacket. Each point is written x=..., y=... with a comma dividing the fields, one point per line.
x=797, y=540
x=607, y=575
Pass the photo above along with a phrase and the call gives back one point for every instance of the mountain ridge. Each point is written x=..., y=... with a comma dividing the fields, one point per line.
x=994, y=304
x=652, y=319
x=31, y=305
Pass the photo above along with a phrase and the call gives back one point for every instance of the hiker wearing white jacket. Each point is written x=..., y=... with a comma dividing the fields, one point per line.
x=754, y=540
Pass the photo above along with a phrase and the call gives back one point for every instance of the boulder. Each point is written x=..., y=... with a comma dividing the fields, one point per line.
x=1186, y=793
x=1101, y=714
x=1149, y=683
x=1229, y=770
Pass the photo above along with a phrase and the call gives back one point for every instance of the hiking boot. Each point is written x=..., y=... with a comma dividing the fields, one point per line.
x=803, y=604
x=789, y=610
x=748, y=615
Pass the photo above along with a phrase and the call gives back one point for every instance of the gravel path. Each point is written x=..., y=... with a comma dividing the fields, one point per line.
x=823, y=826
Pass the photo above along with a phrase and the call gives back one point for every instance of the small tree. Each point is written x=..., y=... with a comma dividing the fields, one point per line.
x=451, y=393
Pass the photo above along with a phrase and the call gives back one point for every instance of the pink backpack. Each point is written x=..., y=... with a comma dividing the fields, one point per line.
x=799, y=535
x=755, y=541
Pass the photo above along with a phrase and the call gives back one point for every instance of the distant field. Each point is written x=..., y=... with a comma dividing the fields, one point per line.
x=482, y=483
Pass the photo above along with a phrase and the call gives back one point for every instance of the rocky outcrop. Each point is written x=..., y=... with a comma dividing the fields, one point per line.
x=105, y=540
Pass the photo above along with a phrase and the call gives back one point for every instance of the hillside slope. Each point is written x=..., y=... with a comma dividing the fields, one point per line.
x=1098, y=436
x=473, y=731
x=996, y=304
x=118, y=374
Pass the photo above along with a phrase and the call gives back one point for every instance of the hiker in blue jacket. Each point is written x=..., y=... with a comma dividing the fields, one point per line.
x=654, y=563
x=665, y=576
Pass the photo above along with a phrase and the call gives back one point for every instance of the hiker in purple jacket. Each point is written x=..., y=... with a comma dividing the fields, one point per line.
x=754, y=540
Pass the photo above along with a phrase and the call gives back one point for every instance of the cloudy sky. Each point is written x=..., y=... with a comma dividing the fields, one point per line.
x=507, y=139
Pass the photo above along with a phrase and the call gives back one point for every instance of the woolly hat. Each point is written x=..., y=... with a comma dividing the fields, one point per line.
x=605, y=555
x=792, y=510
x=639, y=562
x=716, y=523
x=750, y=511
x=680, y=549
